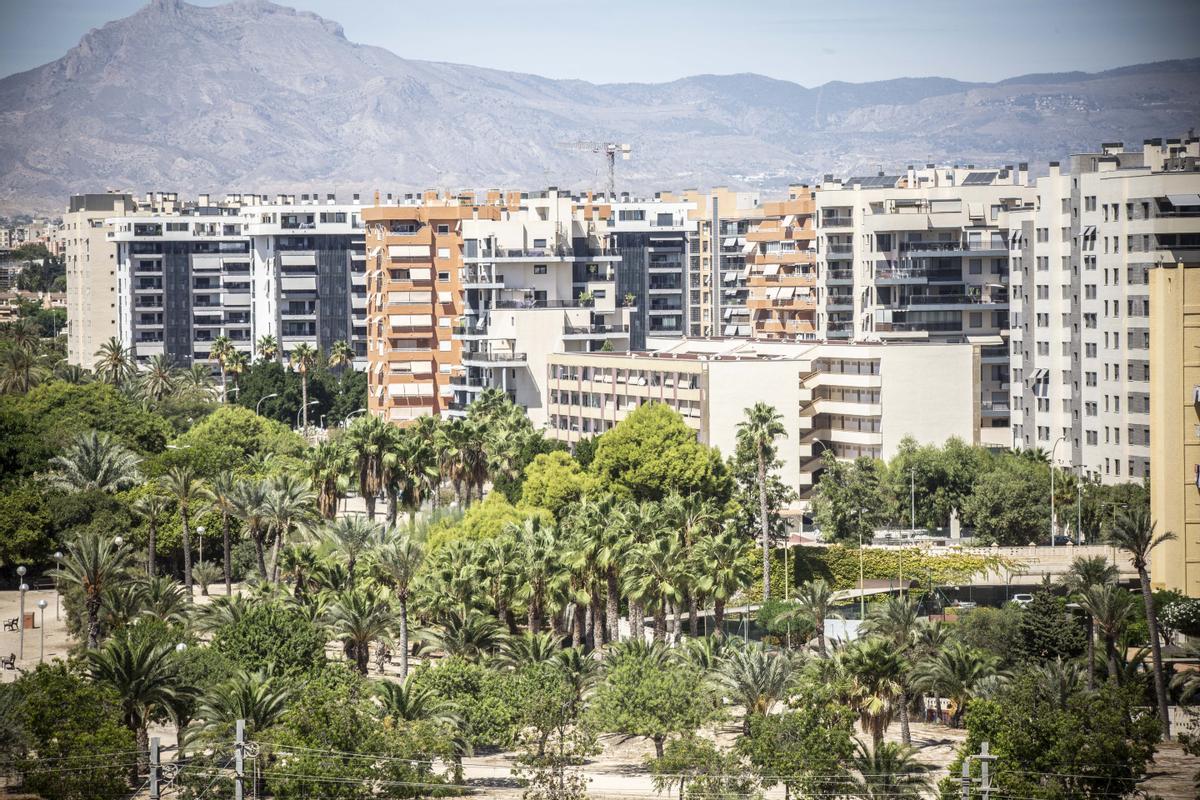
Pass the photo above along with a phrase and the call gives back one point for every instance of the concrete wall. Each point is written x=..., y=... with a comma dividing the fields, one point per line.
x=928, y=392
x=734, y=386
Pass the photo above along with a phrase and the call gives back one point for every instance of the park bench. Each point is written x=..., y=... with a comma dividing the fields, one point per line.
x=11, y=624
x=10, y=662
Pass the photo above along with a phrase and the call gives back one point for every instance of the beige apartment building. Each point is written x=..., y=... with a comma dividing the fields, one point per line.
x=90, y=258
x=852, y=399
x=781, y=269
x=1175, y=434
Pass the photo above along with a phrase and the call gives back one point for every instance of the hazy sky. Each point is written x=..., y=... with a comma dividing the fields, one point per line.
x=806, y=41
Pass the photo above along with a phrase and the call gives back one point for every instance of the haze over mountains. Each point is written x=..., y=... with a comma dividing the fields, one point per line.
x=257, y=97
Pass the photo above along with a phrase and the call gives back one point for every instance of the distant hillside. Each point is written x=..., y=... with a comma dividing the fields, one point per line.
x=257, y=97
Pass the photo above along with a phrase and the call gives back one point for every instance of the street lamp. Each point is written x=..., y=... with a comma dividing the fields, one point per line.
x=118, y=540
x=346, y=421
x=862, y=596
x=258, y=405
x=912, y=500
x=301, y=411
x=1053, y=519
x=322, y=422
x=23, y=588
x=41, y=604
x=1079, y=505
x=200, y=531
x=58, y=557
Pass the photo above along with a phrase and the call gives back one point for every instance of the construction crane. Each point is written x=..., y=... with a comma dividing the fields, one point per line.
x=609, y=150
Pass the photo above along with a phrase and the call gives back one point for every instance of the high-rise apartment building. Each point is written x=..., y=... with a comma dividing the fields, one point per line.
x=924, y=256
x=90, y=260
x=1081, y=385
x=242, y=268
x=781, y=269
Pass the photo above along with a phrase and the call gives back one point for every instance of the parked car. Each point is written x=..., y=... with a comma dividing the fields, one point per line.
x=1022, y=599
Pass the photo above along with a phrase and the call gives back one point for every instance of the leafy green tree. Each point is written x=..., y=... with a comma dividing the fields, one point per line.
x=57, y=717
x=269, y=636
x=643, y=696
x=847, y=501
x=652, y=453
x=996, y=631
x=1094, y=746
x=1010, y=504
x=806, y=748
x=702, y=770
x=489, y=702
x=553, y=481
x=26, y=524
x=758, y=432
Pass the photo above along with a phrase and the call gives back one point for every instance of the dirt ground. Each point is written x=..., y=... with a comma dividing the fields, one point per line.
x=619, y=770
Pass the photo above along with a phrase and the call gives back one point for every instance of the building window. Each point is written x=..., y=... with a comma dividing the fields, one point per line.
x=539, y=269
x=443, y=229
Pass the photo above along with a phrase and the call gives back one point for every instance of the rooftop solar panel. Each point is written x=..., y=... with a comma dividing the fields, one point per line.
x=979, y=179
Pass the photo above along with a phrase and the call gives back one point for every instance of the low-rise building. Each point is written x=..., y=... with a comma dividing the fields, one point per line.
x=852, y=399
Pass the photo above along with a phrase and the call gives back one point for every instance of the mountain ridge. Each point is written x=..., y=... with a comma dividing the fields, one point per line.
x=256, y=97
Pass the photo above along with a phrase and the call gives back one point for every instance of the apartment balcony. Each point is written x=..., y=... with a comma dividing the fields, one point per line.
x=466, y=383
x=793, y=303
x=918, y=327
x=579, y=332
x=952, y=249
x=835, y=303
x=495, y=359
x=994, y=408
x=994, y=354
x=470, y=331
x=837, y=222
x=952, y=301
x=793, y=279
x=480, y=279
x=839, y=276
x=786, y=257
x=839, y=330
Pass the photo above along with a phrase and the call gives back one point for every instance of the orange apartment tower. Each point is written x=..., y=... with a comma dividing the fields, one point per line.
x=782, y=269
x=414, y=296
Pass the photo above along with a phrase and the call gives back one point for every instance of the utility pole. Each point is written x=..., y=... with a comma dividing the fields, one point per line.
x=239, y=759
x=154, y=766
x=985, y=782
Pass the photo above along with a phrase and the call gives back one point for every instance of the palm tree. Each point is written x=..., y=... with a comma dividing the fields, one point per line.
x=329, y=470
x=468, y=635
x=183, y=484
x=408, y=702
x=352, y=536
x=221, y=350
x=756, y=677
x=341, y=354
x=267, y=347
x=529, y=648
x=250, y=502
x=652, y=579
x=159, y=378
x=1111, y=607
x=357, y=618
x=1060, y=677
x=143, y=675
x=205, y=573
x=1134, y=533
x=762, y=426
x=94, y=461
x=95, y=564
x=222, y=496
x=874, y=670
x=196, y=383
x=1086, y=572
x=812, y=600
x=21, y=369
x=71, y=373
x=889, y=771
x=162, y=599
x=152, y=507
x=288, y=505
x=695, y=516
x=722, y=557
x=957, y=672
x=236, y=363
x=115, y=363
x=540, y=566
x=398, y=562
x=304, y=358
x=895, y=619
x=369, y=439
x=255, y=697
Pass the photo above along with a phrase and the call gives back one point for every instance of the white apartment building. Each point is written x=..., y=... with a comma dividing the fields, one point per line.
x=242, y=268
x=1080, y=366
x=923, y=256
x=852, y=399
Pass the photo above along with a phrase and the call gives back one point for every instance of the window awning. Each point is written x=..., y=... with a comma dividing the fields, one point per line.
x=975, y=210
x=787, y=292
x=728, y=313
x=730, y=241
x=772, y=293
x=729, y=277
x=771, y=269
x=743, y=330
x=1184, y=199
x=1088, y=231
x=789, y=220
x=749, y=248
x=730, y=330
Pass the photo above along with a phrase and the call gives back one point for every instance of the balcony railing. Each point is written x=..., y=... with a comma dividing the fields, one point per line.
x=494, y=358
x=837, y=222
x=594, y=329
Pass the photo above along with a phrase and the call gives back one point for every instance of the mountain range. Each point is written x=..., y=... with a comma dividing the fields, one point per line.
x=256, y=97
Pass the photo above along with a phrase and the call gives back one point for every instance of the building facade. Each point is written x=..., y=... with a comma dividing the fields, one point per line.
x=1174, y=291
x=1081, y=387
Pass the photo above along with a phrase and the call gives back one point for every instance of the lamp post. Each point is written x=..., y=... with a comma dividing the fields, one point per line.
x=1079, y=505
x=58, y=557
x=912, y=499
x=1053, y=519
x=862, y=597
x=118, y=540
x=258, y=405
x=22, y=589
x=346, y=421
x=41, y=604
x=200, y=532
x=301, y=411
